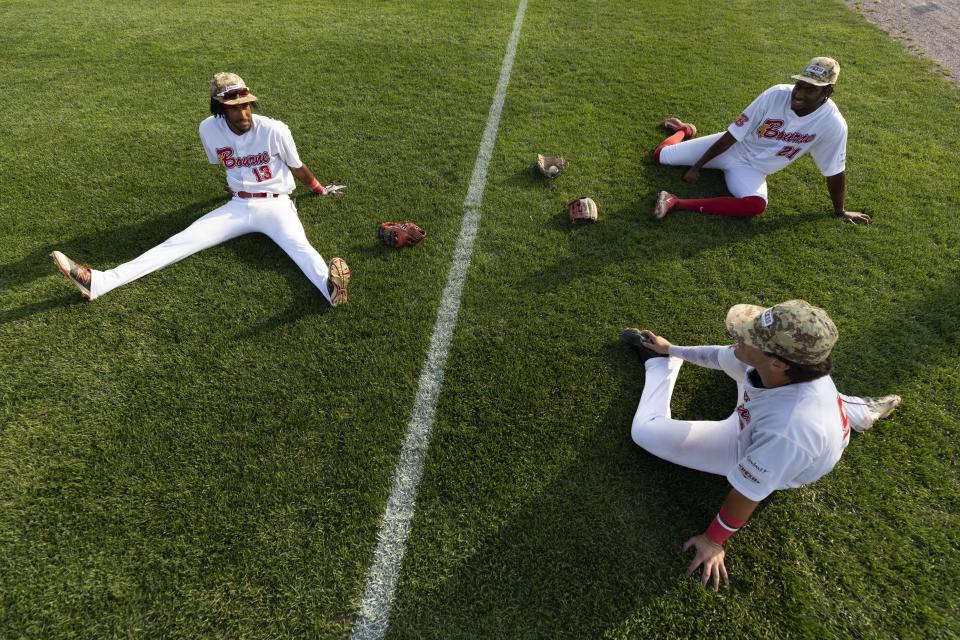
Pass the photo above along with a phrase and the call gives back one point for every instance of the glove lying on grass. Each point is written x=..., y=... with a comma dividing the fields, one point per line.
x=400, y=234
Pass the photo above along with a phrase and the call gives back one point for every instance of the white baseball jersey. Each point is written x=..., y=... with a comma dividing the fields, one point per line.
x=256, y=161
x=771, y=135
x=788, y=436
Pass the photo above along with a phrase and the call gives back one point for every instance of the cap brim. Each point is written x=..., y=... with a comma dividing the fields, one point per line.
x=740, y=319
x=241, y=100
x=813, y=81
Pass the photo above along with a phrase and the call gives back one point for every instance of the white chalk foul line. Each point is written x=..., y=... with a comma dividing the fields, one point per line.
x=374, y=615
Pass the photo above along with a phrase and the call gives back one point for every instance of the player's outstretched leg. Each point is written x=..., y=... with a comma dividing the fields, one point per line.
x=864, y=412
x=723, y=206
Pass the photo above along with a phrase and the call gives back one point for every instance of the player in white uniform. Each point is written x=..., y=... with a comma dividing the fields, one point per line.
x=780, y=126
x=790, y=425
x=261, y=161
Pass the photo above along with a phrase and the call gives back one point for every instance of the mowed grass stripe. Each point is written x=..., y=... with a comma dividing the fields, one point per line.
x=537, y=516
x=374, y=615
x=207, y=451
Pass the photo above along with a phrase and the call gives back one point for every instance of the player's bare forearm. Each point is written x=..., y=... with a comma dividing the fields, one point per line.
x=725, y=142
x=739, y=506
x=837, y=186
x=303, y=174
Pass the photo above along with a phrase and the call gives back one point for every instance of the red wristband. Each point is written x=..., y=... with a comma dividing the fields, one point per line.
x=722, y=527
x=316, y=187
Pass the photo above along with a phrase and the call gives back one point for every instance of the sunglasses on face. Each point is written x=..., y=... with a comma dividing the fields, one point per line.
x=232, y=94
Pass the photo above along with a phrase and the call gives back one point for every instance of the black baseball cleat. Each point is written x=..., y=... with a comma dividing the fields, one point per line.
x=638, y=340
x=78, y=274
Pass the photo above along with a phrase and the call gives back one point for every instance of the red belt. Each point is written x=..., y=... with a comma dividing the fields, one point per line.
x=259, y=194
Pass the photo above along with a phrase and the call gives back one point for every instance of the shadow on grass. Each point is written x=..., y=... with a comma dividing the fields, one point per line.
x=629, y=235
x=107, y=249
x=25, y=311
x=603, y=539
x=917, y=334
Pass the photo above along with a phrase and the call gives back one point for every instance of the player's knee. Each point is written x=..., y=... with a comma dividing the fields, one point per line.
x=656, y=152
x=640, y=430
x=753, y=205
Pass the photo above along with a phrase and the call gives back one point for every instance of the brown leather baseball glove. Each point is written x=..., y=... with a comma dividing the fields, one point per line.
x=551, y=166
x=582, y=209
x=400, y=234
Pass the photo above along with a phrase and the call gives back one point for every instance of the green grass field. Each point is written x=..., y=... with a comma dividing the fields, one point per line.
x=207, y=452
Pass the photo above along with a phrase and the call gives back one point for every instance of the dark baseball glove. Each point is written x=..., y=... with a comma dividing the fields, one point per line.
x=400, y=234
x=551, y=166
x=582, y=209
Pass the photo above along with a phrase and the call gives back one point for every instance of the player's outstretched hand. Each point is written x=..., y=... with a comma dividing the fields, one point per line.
x=333, y=189
x=856, y=217
x=656, y=343
x=692, y=175
x=710, y=555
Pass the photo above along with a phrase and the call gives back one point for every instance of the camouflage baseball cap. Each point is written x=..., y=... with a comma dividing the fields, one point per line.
x=229, y=88
x=794, y=330
x=820, y=71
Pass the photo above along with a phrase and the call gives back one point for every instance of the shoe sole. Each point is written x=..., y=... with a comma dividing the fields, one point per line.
x=663, y=206
x=63, y=263
x=632, y=337
x=340, y=277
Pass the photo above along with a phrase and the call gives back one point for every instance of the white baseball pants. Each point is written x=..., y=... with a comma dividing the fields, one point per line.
x=704, y=445
x=742, y=179
x=275, y=217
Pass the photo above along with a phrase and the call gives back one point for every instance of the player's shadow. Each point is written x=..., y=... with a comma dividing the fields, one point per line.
x=262, y=255
x=600, y=541
x=106, y=247
x=102, y=248
x=125, y=243
x=27, y=310
x=904, y=341
x=629, y=235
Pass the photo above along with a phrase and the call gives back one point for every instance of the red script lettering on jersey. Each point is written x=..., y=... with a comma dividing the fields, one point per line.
x=225, y=154
x=771, y=128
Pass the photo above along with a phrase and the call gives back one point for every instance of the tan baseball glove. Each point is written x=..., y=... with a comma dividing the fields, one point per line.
x=582, y=209
x=551, y=166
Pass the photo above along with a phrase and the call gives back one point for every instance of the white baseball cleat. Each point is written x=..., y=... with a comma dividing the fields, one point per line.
x=878, y=409
x=79, y=274
x=339, y=278
x=666, y=201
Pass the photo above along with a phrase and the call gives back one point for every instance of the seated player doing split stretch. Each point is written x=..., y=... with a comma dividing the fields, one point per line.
x=261, y=162
x=790, y=425
x=781, y=125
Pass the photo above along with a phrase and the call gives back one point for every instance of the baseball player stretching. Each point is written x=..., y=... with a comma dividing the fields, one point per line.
x=790, y=425
x=781, y=125
x=261, y=161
